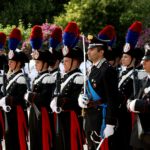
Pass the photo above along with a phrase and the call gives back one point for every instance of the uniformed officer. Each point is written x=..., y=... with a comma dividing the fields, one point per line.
x=70, y=88
x=55, y=48
x=140, y=105
x=13, y=100
x=66, y=103
x=127, y=86
x=40, y=97
x=3, y=70
x=3, y=59
x=101, y=102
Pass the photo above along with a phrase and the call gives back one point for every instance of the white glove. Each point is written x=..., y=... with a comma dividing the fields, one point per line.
x=53, y=106
x=109, y=130
x=83, y=101
x=3, y=101
x=131, y=105
x=5, y=107
x=26, y=95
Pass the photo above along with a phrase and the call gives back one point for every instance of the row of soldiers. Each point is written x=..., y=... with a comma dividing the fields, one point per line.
x=100, y=108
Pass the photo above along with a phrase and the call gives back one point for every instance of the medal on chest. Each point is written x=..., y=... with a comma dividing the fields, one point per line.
x=93, y=83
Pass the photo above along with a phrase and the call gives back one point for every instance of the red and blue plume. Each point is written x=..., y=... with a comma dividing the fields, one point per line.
x=56, y=38
x=2, y=40
x=36, y=37
x=15, y=38
x=108, y=34
x=133, y=33
x=71, y=35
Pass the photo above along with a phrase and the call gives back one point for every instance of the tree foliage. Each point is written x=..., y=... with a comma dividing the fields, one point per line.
x=137, y=10
x=29, y=11
x=93, y=15
x=85, y=13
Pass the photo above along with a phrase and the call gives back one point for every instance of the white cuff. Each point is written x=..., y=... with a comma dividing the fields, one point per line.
x=131, y=106
x=5, y=107
x=53, y=106
x=82, y=101
x=26, y=95
x=3, y=101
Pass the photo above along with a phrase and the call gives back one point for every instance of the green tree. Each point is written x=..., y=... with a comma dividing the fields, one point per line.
x=93, y=15
x=30, y=11
x=137, y=10
x=87, y=14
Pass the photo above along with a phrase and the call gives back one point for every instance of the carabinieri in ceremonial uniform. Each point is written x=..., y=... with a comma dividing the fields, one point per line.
x=13, y=101
x=69, y=133
x=3, y=70
x=127, y=86
x=40, y=96
x=140, y=105
x=55, y=48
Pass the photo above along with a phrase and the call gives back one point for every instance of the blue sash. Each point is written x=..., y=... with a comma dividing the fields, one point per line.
x=91, y=92
x=92, y=95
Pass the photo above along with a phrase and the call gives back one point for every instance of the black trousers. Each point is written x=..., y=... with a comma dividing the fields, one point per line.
x=92, y=120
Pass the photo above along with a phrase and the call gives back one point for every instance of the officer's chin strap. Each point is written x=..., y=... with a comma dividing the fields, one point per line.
x=71, y=64
x=15, y=67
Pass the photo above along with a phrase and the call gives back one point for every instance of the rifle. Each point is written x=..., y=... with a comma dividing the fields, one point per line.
x=5, y=108
x=37, y=112
x=59, y=135
x=135, y=80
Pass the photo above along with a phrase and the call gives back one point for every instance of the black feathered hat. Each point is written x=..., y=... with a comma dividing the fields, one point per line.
x=13, y=42
x=55, y=43
x=70, y=39
x=132, y=36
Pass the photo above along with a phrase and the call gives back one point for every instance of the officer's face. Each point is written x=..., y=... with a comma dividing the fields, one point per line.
x=67, y=64
x=126, y=59
x=38, y=65
x=12, y=64
x=70, y=64
x=94, y=55
x=146, y=65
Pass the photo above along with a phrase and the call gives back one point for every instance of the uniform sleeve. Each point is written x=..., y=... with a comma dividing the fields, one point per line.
x=143, y=106
x=111, y=94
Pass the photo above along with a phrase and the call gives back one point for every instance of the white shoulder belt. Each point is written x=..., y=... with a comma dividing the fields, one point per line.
x=125, y=77
x=68, y=79
x=13, y=80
